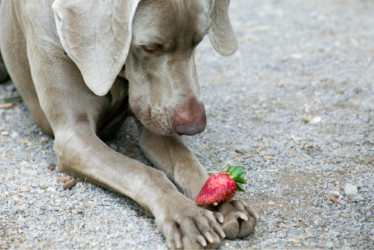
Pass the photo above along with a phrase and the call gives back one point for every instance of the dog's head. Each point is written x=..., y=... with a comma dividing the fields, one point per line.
x=155, y=40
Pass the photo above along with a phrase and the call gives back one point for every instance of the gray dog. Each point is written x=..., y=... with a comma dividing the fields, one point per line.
x=83, y=66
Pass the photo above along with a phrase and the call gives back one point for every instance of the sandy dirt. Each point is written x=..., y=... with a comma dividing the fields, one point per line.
x=294, y=106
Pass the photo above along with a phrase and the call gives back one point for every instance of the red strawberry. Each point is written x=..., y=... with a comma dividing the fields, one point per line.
x=221, y=187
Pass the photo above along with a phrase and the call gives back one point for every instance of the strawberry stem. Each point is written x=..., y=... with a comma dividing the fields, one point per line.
x=237, y=173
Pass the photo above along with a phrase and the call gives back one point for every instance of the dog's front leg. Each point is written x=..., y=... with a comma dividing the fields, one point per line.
x=84, y=155
x=171, y=155
x=73, y=112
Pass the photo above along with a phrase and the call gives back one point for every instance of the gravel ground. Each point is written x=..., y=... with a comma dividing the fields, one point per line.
x=294, y=106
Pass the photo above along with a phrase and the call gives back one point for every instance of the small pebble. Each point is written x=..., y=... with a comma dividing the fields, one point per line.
x=14, y=135
x=350, y=190
x=335, y=193
x=329, y=245
x=4, y=133
x=28, y=172
x=51, y=189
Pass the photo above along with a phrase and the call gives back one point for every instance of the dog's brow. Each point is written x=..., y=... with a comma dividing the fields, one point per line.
x=153, y=40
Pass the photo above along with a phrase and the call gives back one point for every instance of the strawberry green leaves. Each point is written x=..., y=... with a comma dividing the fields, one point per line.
x=237, y=174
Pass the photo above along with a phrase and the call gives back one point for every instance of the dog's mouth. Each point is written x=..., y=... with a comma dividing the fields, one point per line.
x=155, y=120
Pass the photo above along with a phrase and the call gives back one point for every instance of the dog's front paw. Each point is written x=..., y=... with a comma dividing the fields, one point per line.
x=188, y=226
x=239, y=220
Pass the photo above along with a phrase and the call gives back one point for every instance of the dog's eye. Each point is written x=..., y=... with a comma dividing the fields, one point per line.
x=152, y=49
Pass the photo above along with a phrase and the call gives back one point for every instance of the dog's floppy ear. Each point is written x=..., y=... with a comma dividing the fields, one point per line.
x=221, y=34
x=97, y=36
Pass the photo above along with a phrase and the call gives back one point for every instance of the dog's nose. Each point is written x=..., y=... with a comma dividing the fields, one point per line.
x=190, y=118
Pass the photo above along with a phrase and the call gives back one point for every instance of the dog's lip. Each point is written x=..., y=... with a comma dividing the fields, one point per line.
x=144, y=118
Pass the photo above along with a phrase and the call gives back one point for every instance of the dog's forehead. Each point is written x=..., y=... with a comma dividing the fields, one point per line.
x=166, y=18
